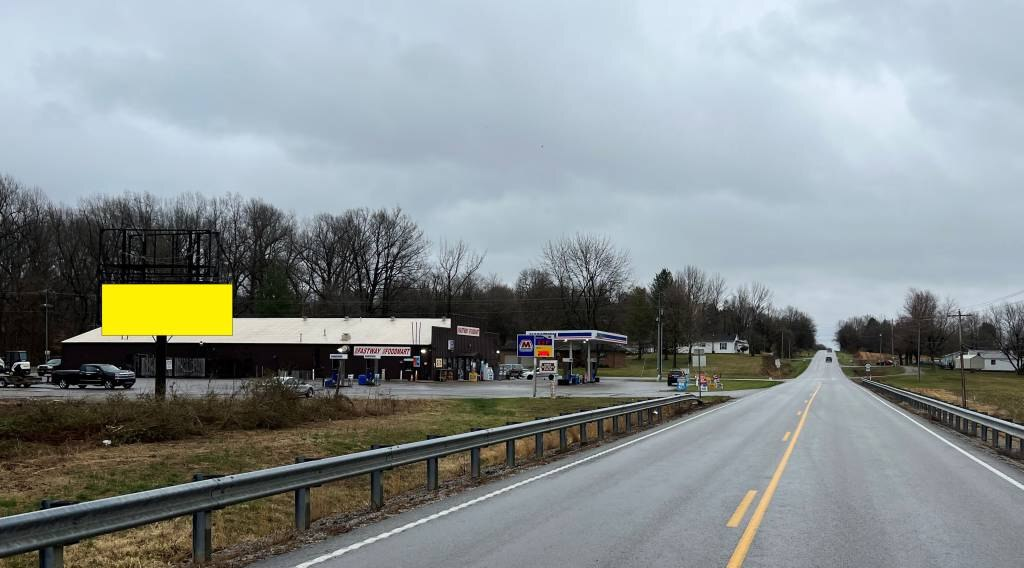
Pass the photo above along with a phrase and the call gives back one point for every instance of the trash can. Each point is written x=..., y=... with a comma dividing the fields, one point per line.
x=362, y=379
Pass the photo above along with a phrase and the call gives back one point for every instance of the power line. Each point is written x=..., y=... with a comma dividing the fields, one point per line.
x=997, y=300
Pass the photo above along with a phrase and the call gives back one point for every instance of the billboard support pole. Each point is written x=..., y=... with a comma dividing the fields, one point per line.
x=160, y=388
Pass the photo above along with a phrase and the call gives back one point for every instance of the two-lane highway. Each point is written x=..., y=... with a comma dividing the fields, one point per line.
x=816, y=472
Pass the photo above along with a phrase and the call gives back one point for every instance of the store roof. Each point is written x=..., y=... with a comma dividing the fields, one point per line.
x=316, y=331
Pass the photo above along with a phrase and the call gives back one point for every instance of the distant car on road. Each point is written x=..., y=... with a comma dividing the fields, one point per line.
x=100, y=374
x=674, y=376
x=828, y=359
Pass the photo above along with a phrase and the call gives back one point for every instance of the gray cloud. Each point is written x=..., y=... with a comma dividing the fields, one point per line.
x=839, y=151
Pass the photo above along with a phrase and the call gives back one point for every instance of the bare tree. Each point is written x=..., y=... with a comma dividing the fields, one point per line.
x=590, y=273
x=325, y=254
x=389, y=253
x=457, y=265
x=1008, y=320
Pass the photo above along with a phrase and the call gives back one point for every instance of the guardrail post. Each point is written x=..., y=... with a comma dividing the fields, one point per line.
x=377, y=484
x=984, y=433
x=583, y=431
x=600, y=428
x=629, y=422
x=538, y=442
x=303, y=506
x=432, y=468
x=52, y=556
x=202, y=532
x=1008, y=442
x=510, y=450
x=615, y=424
x=474, y=459
x=995, y=438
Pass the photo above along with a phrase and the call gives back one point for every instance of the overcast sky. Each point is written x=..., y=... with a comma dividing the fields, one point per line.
x=837, y=152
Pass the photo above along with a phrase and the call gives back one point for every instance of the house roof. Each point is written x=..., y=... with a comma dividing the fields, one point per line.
x=333, y=331
x=720, y=338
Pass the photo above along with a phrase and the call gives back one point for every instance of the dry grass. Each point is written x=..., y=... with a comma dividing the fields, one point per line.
x=84, y=470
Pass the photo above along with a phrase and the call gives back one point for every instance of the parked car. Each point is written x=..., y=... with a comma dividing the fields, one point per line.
x=98, y=374
x=528, y=375
x=48, y=367
x=510, y=371
x=300, y=388
x=674, y=376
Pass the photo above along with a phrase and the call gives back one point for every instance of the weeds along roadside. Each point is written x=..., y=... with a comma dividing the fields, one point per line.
x=124, y=419
x=247, y=529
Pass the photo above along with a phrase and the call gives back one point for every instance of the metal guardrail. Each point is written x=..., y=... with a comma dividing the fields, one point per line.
x=49, y=530
x=963, y=420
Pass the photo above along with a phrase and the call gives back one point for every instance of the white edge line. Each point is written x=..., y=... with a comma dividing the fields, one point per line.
x=459, y=507
x=913, y=421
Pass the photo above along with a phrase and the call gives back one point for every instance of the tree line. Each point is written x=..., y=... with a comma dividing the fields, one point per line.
x=362, y=262
x=930, y=327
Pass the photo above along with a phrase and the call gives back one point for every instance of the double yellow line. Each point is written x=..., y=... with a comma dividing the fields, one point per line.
x=743, y=547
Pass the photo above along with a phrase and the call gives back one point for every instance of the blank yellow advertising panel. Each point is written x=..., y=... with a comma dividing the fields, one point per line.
x=166, y=309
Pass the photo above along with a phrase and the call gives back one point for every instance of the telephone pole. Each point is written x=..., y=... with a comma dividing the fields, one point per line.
x=960, y=335
x=46, y=326
x=659, y=355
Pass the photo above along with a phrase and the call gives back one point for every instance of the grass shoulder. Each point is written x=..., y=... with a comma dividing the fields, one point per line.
x=83, y=469
x=999, y=394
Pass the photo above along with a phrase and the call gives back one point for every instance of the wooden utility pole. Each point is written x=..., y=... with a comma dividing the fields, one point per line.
x=960, y=335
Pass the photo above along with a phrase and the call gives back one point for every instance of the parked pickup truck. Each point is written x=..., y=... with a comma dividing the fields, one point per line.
x=98, y=374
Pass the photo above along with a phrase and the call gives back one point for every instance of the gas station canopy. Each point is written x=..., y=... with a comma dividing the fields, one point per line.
x=579, y=335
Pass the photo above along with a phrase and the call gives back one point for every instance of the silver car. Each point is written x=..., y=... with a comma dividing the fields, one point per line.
x=300, y=388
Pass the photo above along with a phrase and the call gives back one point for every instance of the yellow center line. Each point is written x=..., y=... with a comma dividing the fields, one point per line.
x=786, y=437
x=743, y=547
x=741, y=510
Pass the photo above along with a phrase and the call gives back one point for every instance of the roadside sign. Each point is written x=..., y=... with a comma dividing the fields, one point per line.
x=547, y=366
x=525, y=343
x=544, y=347
x=867, y=367
x=339, y=355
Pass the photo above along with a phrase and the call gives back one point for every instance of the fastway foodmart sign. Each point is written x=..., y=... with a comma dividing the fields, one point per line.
x=378, y=351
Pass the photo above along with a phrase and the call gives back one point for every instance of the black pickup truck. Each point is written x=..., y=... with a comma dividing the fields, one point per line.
x=108, y=376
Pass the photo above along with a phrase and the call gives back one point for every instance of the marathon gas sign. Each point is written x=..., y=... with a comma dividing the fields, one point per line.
x=377, y=351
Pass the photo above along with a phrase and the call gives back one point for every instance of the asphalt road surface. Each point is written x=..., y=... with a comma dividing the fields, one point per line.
x=841, y=478
x=610, y=387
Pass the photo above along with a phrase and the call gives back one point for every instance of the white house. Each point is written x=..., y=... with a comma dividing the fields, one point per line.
x=731, y=344
x=980, y=360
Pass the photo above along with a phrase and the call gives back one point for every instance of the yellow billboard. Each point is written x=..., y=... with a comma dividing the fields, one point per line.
x=166, y=309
